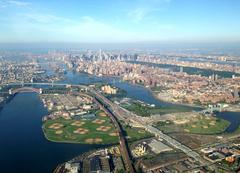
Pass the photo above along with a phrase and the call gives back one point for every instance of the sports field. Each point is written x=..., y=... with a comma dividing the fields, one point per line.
x=97, y=131
x=207, y=125
x=196, y=125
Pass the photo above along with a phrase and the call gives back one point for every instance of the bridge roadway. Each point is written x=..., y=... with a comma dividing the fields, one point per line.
x=137, y=121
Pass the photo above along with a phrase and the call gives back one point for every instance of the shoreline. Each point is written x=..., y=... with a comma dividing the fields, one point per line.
x=119, y=78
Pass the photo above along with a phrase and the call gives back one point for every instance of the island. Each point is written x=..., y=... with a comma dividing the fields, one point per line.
x=76, y=118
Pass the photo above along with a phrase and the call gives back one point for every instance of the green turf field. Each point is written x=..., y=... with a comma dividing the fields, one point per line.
x=207, y=125
x=197, y=125
x=146, y=111
x=67, y=131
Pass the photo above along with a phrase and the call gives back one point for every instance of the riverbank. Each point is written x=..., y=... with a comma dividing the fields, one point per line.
x=7, y=99
x=130, y=87
x=178, y=103
x=189, y=69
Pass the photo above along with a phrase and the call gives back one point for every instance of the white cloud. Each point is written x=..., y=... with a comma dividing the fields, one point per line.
x=90, y=30
x=138, y=14
x=48, y=27
x=144, y=9
x=18, y=3
x=40, y=18
x=10, y=3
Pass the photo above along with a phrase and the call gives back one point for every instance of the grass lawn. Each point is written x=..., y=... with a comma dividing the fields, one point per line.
x=67, y=131
x=199, y=125
x=207, y=125
x=135, y=134
x=168, y=127
x=146, y=110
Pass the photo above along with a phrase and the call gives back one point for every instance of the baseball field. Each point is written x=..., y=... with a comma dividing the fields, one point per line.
x=96, y=131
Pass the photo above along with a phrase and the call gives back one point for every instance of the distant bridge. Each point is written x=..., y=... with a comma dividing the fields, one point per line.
x=24, y=90
x=37, y=90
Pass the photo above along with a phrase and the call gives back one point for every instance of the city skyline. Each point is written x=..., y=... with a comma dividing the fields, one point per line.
x=163, y=21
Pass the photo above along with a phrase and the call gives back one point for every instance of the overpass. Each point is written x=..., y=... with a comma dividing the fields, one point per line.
x=133, y=119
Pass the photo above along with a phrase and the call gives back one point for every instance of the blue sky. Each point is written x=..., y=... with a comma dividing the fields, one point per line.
x=106, y=21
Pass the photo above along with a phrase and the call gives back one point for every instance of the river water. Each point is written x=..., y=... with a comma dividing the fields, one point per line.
x=23, y=147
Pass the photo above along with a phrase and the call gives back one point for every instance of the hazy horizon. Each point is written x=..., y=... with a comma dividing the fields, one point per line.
x=120, y=21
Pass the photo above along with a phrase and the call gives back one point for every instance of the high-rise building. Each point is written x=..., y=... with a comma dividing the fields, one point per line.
x=100, y=54
x=236, y=93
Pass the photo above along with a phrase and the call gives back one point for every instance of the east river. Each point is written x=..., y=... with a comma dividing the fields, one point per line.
x=23, y=147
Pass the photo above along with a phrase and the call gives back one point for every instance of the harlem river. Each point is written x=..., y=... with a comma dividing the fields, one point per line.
x=23, y=147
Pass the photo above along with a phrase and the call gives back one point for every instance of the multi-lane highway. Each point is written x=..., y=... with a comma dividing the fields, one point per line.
x=135, y=120
x=122, y=141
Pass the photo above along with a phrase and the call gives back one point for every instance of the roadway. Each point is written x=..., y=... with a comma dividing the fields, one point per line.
x=122, y=141
x=135, y=120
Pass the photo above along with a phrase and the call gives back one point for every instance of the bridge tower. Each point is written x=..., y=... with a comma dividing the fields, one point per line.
x=210, y=108
x=10, y=91
x=68, y=86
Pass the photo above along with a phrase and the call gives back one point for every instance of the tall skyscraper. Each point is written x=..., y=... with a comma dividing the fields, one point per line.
x=100, y=54
x=236, y=93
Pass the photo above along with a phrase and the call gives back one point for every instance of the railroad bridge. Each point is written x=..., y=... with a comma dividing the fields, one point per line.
x=24, y=90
